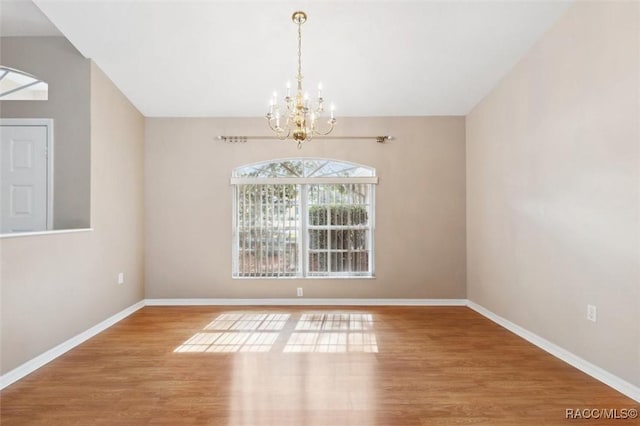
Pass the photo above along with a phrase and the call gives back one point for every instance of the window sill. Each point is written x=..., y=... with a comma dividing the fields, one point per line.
x=52, y=232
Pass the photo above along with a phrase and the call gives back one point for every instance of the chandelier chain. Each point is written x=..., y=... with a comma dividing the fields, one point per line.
x=299, y=56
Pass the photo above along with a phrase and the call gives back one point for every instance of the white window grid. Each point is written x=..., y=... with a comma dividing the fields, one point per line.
x=290, y=235
x=269, y=239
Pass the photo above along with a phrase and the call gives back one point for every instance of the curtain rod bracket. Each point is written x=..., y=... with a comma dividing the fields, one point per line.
x=244, y=139
x=383, y=139
x=233, y=139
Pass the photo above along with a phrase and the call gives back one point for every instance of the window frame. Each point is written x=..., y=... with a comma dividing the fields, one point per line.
x=303, y=249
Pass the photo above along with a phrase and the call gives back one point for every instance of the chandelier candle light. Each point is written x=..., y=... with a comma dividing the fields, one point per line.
x=299, y=116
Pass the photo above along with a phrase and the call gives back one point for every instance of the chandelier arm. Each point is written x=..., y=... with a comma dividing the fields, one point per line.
x=321, y=133
x=280, y=133
x=283, y=136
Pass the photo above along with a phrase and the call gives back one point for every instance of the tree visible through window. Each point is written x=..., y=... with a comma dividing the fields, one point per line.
x=303, y=218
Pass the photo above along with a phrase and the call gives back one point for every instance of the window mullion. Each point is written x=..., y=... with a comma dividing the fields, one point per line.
x=351, y=235
x=272, y=233
x=245, y=247
x=329, y=233
x=245, y=228
x=282, y=247
x=251, y=223
x=236, y=239
x=303, y=252
x=259, y=237
x=242, y=190
x=372, y=226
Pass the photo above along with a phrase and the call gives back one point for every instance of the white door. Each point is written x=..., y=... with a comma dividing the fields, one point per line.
x=24, y=171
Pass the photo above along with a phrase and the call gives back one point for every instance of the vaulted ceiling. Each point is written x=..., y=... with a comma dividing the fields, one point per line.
x=374, y=58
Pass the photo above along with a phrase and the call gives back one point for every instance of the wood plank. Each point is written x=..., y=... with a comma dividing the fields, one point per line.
x=348, y=366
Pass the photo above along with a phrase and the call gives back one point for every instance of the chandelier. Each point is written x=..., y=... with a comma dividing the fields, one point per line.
x=299, y=117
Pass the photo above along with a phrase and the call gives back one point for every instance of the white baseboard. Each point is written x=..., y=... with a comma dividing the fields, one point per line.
x=48, y=356
x=592, y=370
x=306, y=302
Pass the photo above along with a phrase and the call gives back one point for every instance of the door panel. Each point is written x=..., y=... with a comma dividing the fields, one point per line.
x=23, y=190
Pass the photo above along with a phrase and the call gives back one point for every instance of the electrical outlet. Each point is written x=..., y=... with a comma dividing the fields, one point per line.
x=121, y=278
x=299, y=291
x=592, y=313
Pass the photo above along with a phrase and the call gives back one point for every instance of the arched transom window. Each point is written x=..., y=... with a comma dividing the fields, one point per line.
x=16, y=85
x=303, y=217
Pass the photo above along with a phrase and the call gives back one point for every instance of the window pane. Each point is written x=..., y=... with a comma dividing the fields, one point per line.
x=347, y=239
x=317, y=216
x=340, y=262
x=18, y=85
x=317, y=262
x=344, y=261
x=339, y=223
x=268, y=223
x=318, y=239
x=360, y=261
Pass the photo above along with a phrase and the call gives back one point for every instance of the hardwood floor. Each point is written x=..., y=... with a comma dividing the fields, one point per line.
x=306, y=366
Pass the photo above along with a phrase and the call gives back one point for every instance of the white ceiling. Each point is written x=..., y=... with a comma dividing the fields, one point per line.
x=225, y=58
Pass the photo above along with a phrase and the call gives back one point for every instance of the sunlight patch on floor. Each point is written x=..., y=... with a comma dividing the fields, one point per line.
x=333, y=333
x=237, y=333
x=258, y=332
x=328, y=342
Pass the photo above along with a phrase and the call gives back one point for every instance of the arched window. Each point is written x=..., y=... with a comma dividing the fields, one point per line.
x=16, y=85
x=303, y=217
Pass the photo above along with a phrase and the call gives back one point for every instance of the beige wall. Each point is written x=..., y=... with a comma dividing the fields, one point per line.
x=420, y=212
x=553, y=188
x=56, y=286
x=56, y=61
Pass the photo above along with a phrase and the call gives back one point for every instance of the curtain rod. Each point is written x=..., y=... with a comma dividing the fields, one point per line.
x=244, y=139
